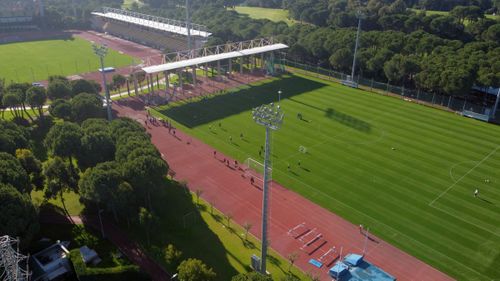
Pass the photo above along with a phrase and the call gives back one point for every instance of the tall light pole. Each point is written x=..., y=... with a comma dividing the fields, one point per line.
x=188, y=25
x=360, y=16
x=279, y=95
x=271, y=117
x=101, y=52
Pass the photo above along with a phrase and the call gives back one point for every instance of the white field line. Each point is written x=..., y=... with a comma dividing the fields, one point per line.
x=466, y=221
x=387, y=227
x=455, y=165
x=468, y=172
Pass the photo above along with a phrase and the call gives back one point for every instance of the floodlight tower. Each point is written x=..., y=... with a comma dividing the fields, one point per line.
x=188, y=25
x=360, y=16
x=271, y=117
x=101, y=52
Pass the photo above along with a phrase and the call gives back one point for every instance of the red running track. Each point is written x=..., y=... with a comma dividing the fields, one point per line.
x=229, y=191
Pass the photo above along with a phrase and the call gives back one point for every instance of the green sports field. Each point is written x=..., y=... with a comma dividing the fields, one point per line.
x=406, y=171
x=265, y=13
x=36, y=60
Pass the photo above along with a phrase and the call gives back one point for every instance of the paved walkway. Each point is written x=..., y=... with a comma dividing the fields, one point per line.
x=118, y=237
x=232, y=193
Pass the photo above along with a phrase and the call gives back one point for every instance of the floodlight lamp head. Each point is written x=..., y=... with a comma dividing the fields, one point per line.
x=100, y=50
x=269, y=116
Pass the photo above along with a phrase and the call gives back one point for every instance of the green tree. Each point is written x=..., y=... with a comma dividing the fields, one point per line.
x=98, y=184
x=59, y=178
x=172, y=256
x=60, y=108
x=493, y=33
x=84, y=106
x=33, y=168
x=341, y=59
x=247, y=226
x=18, y=215
x=20, y=89
x=195, y=270
x=36, y=97
x=12, y=137
x=64, y=140
x=11, y=100
x=147, y=220
x=83, y=86
x=96, y=147
x=290, y=277
x=59, y=89
x=124, y=201
x=145, y=174
x=118, y=81
x=12, y=173
x=251, y=276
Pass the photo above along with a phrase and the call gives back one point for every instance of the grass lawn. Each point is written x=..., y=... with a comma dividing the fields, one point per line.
x=128, y=3
x=265, y=13
x=445, y=13
x=406, y=171
x=71, y=200
x=9, y=114
x=36, y=60
x=203, y=233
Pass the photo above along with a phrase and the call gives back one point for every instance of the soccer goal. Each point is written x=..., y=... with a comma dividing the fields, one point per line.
x=255, y=169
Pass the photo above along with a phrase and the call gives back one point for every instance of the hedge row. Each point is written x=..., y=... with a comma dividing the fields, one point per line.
x=122, y=273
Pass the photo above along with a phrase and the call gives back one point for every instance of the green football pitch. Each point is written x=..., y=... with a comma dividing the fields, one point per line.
x=265, y=13
x=406, y=171
x=36, y=60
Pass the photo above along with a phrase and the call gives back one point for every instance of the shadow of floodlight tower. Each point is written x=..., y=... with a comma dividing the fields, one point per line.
x=271, y=117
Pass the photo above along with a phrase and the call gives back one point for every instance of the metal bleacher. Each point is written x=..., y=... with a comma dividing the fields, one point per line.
x=154, y=31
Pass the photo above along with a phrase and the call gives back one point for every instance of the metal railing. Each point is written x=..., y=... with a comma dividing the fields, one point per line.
x=453, y=103
x=194, y=26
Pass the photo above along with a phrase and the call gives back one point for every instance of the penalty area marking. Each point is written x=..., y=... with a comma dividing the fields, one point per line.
x=468, y=172
x=458, y=164
x=386, y=226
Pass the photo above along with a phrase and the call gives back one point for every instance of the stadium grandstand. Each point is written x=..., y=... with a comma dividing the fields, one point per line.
x=19, y=14
x=157, y=32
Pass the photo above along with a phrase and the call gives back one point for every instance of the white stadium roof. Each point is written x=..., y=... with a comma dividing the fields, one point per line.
x=181, y=30
x=212, y=58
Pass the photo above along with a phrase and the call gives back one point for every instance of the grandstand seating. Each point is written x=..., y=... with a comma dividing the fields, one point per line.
x=16, y=15
x=160, y=40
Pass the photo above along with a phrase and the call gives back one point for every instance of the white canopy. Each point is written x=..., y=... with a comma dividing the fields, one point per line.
x=212, y=58
x=153, y=24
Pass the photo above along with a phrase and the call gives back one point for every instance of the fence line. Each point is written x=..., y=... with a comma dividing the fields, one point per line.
x=448, y=102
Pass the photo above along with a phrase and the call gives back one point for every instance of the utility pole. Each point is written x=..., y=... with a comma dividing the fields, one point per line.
x=271, y=117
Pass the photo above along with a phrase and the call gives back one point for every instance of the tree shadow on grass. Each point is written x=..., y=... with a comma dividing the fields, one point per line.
x=221, y=106
x=190, y=233
x=340, y=117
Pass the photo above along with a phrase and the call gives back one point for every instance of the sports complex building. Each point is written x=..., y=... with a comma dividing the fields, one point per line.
x=188, y=68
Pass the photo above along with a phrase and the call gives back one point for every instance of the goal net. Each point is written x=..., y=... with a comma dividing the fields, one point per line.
x=255, y=169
